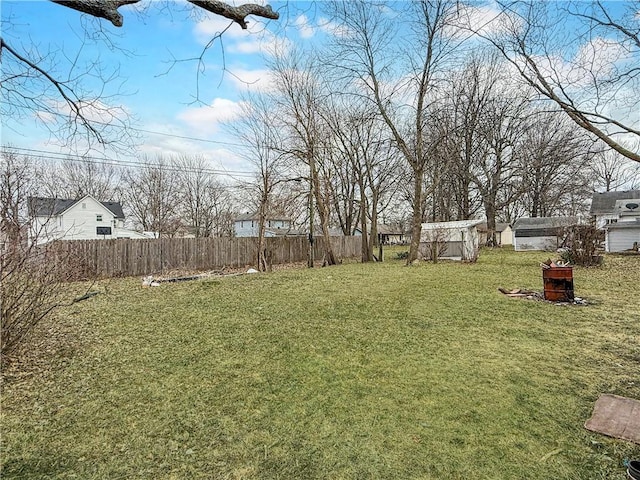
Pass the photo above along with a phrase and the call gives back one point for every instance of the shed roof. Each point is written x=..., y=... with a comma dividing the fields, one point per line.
x=500, y=227
x=602, y=203
x=543, y=222
x=459, y=224
x=48, y=207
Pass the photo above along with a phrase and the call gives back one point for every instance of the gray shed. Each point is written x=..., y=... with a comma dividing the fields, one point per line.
x=540, y=233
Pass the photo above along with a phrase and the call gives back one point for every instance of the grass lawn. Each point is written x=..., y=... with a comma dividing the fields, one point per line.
x=374, y=371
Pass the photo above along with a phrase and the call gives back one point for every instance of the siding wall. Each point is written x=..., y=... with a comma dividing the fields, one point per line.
x=622, y=239
x=535, y=243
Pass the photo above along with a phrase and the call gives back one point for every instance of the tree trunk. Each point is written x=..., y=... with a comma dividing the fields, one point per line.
x=329, y=255
x=366, y=247
x=374, y=237
x=416, y=220
x=262, y=258
x=490, y=210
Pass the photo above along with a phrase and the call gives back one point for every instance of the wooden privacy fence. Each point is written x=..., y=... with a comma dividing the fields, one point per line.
x=128, y=257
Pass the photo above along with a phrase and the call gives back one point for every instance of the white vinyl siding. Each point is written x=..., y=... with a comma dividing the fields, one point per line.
x=622, y=239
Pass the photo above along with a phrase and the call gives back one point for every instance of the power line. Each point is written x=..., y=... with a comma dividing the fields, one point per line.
x=57, y=156
x=184, y=137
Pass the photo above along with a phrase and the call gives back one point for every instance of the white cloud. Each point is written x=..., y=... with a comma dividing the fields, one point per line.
x=487, y=20
x=255, y=80
x=304, y=27
x=95, y=111
x=255, y=39
x=207, y=119
x=213, y=25
x=333, y=28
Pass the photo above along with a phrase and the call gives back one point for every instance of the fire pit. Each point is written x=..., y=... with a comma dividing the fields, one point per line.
x=558, y=282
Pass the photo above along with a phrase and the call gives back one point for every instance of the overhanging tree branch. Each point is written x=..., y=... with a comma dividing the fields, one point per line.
x=108, y=9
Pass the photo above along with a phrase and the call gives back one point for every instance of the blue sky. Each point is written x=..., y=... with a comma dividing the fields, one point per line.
x=160, y=95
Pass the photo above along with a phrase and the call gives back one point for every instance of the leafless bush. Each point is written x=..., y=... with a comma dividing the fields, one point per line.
x=34, y=281
x=581, y=245
x=33, y=278
x=434, y=244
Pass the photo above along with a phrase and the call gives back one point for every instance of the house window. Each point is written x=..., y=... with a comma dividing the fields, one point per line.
x=84, y=205
x=98, y=218
x=103, y=230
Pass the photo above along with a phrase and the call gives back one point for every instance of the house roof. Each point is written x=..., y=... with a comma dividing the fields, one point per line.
x=48, y=207
x=500, y=227
x=602, y=203
x=624, y=225
x=543, y=222
x=255, y=216
x=389, y=230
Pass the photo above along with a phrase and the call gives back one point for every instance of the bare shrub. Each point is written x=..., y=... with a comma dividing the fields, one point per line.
x=434, y=244
x=34, y=280
x=582, y=243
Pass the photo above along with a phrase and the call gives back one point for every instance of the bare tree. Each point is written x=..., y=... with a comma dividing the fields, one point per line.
x=76, y=177
x=361, y=145
x=199, y=194
x=589, y=72
x=18, y=175
x=299, y=96
x=260, y=130
x=366, y=55
x=611, y=171
x=152, y=194
x=554, y=165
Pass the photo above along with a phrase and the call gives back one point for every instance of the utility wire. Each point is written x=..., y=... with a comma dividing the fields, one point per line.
x=184, y=137
x=57, y=156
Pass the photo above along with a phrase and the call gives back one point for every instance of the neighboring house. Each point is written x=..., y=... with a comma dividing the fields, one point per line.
x=540, y=233
x=612, y=207
x=622, y=236
x=274, y=226
x=391, y=235
x=504, y=234
x=458, y=240
x=618, y=214
x=388, y=234
x=81, y=219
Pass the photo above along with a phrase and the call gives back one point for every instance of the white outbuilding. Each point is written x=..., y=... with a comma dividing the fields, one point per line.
x=457, y=240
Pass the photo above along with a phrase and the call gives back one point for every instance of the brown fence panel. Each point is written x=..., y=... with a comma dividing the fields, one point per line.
x=127, y=257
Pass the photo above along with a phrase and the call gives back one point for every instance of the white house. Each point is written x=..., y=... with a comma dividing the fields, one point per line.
x=458, y=240
x=612, y=207
x=540, y=233
x=275, y=226
x=82, y=219
x=618, y=214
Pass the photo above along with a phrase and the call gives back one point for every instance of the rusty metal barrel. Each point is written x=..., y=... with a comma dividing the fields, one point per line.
x=558, y=284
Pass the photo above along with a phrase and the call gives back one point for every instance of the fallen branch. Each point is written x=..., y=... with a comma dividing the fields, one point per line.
x=85, y=297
